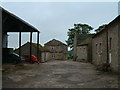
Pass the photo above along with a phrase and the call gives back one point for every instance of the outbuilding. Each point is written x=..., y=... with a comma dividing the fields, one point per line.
x=83, y=47
x=43, y=52
x=12, y=23
x=58, y=50
x=106, y=45
x=84, y=50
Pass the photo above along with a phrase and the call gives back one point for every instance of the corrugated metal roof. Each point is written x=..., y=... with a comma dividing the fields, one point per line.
x=12, y=23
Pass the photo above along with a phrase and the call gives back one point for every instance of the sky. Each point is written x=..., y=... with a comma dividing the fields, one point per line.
x=53, y=19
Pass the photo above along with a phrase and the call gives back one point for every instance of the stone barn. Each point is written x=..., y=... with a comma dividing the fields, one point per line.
x=113, y=37
x=43, y=52
x=84, y=50
x=83, y=47
x=57, y=49
x=106, y=45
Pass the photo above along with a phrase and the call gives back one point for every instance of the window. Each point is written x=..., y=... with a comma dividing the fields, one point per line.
x=96, y=48
x=52, y=48
x=110, y=42
x=96, y=44
x=84, y=50
x=53, y=55
x=100, y=47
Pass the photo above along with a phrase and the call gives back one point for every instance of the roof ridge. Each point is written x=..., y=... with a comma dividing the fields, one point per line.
x=54, y=40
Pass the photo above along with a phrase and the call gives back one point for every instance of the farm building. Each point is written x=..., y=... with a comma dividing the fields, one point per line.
x=12, y=23
x=106, y=45
x=57, y=49
x=83, y=47
x=43, y=52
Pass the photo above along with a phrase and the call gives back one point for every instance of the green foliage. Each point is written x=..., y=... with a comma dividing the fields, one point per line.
x=77, y=29
x=70, y=54
x=100, y=28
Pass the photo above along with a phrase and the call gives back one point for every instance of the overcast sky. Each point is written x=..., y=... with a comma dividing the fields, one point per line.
x=54, y=19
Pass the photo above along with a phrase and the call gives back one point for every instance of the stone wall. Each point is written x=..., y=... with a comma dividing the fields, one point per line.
x=89, y=53
x=82, y=53
x=45, y=56
x=105, y=46
x=57, y=52
x=25, y=50
x=113, y=46
x=99, y=48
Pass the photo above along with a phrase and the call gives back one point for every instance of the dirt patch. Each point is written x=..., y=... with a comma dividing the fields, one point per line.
x=59, y=74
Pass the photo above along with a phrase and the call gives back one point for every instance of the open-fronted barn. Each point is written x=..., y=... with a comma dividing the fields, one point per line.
x=12, y=23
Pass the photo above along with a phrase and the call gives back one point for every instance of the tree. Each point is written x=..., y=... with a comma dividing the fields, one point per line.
x=100, y=28
x=77, y=29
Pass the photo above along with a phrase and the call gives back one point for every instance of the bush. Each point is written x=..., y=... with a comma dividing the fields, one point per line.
x=70, y=56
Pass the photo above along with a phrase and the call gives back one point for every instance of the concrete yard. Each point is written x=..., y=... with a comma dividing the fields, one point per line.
x=58, y=74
